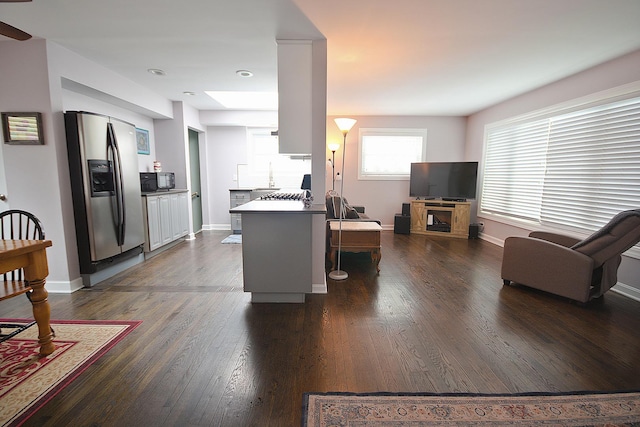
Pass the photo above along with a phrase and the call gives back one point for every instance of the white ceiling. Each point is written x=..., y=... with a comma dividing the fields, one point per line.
x=401, y=57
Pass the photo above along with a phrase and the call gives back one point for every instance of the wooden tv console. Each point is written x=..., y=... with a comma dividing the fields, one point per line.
x=440, y=218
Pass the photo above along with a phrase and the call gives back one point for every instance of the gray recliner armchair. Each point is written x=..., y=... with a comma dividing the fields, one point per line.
x=577, y=269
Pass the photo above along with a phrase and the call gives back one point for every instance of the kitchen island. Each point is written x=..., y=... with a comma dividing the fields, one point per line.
x=277, y=248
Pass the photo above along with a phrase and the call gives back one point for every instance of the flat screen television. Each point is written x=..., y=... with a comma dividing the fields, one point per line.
x=444, y=180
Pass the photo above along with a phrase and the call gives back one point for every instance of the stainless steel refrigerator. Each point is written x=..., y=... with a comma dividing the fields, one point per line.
x=105, y=184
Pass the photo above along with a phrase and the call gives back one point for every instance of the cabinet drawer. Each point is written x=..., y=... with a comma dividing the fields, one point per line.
x=238, y=198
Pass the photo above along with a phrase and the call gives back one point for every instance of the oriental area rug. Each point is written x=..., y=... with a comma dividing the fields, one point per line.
x=28, y=381
x=421, y=409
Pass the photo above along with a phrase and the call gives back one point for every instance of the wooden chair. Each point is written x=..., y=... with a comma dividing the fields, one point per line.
x=17, y=225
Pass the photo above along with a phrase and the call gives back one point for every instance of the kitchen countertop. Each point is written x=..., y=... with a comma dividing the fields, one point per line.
x=163, y=192
x=254, y=189
x=279, y=206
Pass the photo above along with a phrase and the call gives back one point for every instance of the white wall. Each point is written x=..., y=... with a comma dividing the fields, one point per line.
x=383, y=199
x=226, y=147
x=38, y=75
x=318, y=162
x=615, y=73
x=73, y=101
x=33, y=181
x=172, y=148
x=170, y=143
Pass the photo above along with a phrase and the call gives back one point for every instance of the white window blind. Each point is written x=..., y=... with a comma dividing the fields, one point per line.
x=570, y=171
x=514, y=170
x=593, y=166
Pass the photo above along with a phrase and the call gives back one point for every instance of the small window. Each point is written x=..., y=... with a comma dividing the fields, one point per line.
x=387, y=154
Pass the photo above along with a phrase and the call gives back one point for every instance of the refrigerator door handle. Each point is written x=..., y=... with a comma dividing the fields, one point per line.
x=119, y=186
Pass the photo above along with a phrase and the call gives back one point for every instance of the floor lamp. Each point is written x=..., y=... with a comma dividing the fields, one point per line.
x=333, y=147
x=345, y=126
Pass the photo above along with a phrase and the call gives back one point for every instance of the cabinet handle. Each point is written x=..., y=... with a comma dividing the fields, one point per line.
x=3, y=197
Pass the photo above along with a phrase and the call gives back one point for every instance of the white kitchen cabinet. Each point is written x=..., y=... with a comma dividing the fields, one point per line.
x=295, y=61
x=151, y=211
x=166, y=229
x=183, y=214
x=238, y=197
x=167, y=218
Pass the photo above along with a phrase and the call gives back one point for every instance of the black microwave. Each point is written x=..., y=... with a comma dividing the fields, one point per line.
x=157, y=181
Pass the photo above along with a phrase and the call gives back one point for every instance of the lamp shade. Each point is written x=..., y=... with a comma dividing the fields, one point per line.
x=333, y=146
x=345, y=124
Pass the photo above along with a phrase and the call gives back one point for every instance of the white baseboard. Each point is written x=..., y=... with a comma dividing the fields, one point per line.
x=627, y=291
x=319, y=288
x=492, y=239
x=61, y=287
x=217, y=227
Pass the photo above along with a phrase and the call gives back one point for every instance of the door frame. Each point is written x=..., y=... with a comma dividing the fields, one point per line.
x=195, y=134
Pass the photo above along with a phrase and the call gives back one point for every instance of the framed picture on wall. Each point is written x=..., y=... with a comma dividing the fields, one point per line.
x=22, y=128
x=142, y=138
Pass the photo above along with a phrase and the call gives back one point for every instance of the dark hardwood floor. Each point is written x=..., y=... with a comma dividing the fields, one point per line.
x=436, y=319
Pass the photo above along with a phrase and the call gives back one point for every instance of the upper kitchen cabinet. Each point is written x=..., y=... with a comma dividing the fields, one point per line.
x=295, y=85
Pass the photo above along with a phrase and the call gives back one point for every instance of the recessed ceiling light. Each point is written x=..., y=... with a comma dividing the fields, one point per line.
x=189, y=93
x=246, y=100
x=156, y=72
x=244, y=73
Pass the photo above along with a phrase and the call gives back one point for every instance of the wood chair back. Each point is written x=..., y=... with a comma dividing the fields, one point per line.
x=18, y=225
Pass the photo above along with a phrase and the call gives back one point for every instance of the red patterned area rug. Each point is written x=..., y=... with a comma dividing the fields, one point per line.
x=421, y=409
x=28, y=381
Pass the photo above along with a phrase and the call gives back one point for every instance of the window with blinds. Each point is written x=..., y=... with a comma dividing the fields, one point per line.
x=569, y=171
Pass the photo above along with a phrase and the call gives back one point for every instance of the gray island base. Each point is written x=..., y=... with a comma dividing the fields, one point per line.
x=277, y=249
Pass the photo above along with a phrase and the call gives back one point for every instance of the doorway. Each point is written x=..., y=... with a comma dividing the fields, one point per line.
x=196, y=189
